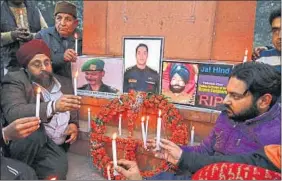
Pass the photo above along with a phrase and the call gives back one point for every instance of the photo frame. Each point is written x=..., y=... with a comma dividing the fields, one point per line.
x=179, y=81
x=90, y=74
x=142, y=63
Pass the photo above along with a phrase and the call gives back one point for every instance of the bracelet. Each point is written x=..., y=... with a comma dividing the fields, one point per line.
x=53, y=107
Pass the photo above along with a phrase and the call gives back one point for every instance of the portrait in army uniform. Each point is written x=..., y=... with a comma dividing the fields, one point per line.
x=142, y=59
x=179, y=82
x=94, y=72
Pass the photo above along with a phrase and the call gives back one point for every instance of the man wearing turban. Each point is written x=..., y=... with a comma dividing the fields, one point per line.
x=41, y=150
x=179, y=76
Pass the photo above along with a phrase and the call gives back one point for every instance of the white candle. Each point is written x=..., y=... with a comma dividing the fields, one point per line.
x=192, y=136
x=114, y=150
x=119, y=125
x=147, y=122
x=143, y=132
x=22, y=19
x=246, y=56
x=76, y=41
x=89, y=120
x=108, y=172
x=37, y=102
x=75, y=83
x=159, y=125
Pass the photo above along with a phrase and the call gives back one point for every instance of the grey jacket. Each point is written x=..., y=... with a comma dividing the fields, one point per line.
x=58, y=45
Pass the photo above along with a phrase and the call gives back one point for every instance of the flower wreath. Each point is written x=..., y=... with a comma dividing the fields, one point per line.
x=130, y=104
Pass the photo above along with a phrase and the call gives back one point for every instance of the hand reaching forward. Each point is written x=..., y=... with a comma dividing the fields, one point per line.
x=129, y=169
x=21, y=128
x=67, y=103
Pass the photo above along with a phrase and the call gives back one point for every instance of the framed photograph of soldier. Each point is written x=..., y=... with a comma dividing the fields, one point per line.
x=142, y=63
x=98, y=76
x=212, y=82
x=179, y=81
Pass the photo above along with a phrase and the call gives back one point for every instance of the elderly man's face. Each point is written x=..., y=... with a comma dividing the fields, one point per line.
x=94, y=77
x=276, y=33
x=65, y=24
x=40, y=68
x=141, y=55
x=177, y=84
x=239, y=102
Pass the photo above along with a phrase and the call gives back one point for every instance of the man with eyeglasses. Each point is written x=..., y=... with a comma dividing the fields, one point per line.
x=251, y=118
x=272, y=56
x=45, y=149
x=60, y=38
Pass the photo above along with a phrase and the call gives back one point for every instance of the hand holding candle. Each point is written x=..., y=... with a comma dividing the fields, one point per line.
x=75, y=83
x=114, y=150
x=37, y=102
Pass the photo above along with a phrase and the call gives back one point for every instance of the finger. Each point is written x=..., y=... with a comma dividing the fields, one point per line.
x=160, y=155
x=27, y=132
x=71, y=106
x=125, y=163
x=68, y=57
x=122, y=171
x=166, y=147
x=70, y=139
x=69, y=96
x=27, y=119
x=165, y=141
x=72, y=101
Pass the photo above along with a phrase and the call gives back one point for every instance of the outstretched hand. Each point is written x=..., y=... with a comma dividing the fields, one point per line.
x=129, y=169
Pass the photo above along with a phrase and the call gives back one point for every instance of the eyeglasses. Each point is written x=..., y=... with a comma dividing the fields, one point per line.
x=40, y=65
x=237, y=96
x=275, y=31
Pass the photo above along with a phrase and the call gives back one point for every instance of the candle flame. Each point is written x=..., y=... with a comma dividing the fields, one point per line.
x=143, y=118
x=53, y=178
x=38, y=90
x=108, y=167
x=75, y=35
x=89, y=109
x=160, y=112
x=76, y=74
x=114, y=136
x=147, y=117
x=246, y=52
x=120, y=115
x=193, y=128
x=21, y=12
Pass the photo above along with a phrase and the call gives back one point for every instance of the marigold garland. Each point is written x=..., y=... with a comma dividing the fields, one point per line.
x=130, y=104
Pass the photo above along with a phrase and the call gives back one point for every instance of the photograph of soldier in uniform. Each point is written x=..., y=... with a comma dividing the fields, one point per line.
x=99, y=74
x=94, y=72
x=142, y=62
x=179, y=82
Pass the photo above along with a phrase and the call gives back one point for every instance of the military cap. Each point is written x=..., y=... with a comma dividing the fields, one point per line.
x=92, y=65
x=181, y=70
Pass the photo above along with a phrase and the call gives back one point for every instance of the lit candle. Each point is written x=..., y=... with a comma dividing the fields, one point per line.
x=147, y=122
x=37, y=102
x=119, y=125
x=114, y=150
x=108, y=172
x=192, y=136
x=89, y=119
x=159, y=125
x=246, y=56
x=76, y=41
x=22, y=19
x=143, y=131
x=75, y=83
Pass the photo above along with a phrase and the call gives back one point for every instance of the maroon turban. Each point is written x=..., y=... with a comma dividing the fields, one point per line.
x=28, y=50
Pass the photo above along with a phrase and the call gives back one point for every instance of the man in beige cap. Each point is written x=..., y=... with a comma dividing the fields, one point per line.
x=61, y=38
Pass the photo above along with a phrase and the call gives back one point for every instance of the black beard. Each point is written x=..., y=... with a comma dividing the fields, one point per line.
x=244, y=115
x=45, y=79
x=176, y=90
